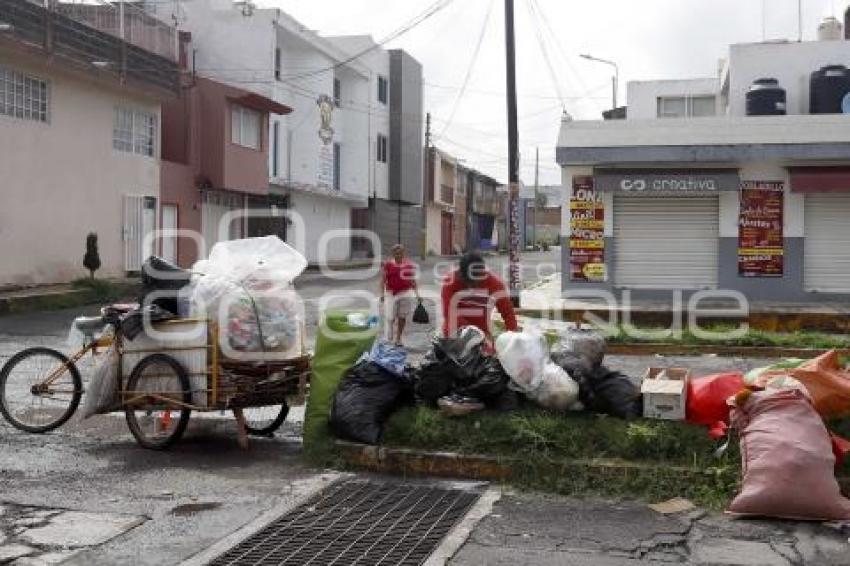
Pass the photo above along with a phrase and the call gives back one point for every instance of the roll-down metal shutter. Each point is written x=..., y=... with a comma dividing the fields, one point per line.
x=666, y=242
x=826, y=259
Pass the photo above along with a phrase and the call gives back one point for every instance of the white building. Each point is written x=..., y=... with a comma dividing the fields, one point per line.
x=689, y=192
x=79, y=147
x=333, y=152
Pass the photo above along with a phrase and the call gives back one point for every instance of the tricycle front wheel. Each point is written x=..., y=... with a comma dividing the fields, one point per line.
x=156, y=401
x=264, y=421
x=40, y=389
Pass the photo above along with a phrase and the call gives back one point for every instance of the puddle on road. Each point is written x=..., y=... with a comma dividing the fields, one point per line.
x=193, y=508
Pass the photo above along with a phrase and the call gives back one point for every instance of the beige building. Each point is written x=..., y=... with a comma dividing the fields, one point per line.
x=79, y=149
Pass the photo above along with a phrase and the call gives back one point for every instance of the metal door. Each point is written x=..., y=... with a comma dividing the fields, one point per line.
x=826, y=249
x=139, y=224
x=446, y=228
x=169, y=232
x=666, y=242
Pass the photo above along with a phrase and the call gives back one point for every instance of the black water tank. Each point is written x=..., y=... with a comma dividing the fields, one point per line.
x=765, y=98
x=827, y=88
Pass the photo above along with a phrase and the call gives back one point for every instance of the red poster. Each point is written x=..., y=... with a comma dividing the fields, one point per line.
x=760, y=244
x=587, y=232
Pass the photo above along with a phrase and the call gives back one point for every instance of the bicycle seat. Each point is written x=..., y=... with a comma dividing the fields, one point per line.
x=89, y=325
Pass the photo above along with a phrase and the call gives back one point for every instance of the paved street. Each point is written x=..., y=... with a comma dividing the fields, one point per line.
x=158, y=508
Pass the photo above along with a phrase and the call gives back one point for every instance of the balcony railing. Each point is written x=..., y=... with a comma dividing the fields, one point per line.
x=447, y=195
x=56, y=34
x=139, y=28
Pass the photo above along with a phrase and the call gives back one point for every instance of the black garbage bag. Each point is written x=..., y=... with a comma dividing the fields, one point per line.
x=366, y=397
x=488, y=381
x=574, y=364
x=610, y=393
x=165, y=279
x=451, y=362
x=133, y=323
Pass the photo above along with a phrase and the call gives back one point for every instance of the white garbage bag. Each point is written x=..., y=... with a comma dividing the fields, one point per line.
x=523, y=355
x=557, y=390
x=103, y=387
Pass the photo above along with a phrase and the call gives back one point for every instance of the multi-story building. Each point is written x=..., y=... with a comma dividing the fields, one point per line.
x=395, y=213
x=462, y=206
x=215, y=154
x=336, y=150
x=731, y=182
x=79, y=140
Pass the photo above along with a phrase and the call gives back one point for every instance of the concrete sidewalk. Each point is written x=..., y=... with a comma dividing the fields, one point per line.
x=545, y=300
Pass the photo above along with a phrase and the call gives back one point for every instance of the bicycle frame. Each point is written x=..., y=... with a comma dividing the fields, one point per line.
x=101, y=342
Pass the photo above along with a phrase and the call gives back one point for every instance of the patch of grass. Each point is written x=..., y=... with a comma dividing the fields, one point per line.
x=647, y=459
x=102, y=290
x=753, y=337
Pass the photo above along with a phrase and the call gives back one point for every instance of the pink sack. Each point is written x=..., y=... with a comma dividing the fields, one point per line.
x=787, y=460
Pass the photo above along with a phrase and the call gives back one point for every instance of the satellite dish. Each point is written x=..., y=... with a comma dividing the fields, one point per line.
x=845, y=103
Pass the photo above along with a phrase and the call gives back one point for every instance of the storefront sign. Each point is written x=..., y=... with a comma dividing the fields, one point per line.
x=760, y=244
x=676, y=181
x=587, y=232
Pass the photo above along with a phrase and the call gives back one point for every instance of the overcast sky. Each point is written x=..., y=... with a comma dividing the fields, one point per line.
x=649, y=39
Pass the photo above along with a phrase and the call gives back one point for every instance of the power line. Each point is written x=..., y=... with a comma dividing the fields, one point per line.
x=538, y=33
x=469, y=70
x=429, y=12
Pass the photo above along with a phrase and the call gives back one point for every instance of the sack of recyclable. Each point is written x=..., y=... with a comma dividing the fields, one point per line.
x=247, y=287
x=366, y=397
x=587, y=344
x=787, y=459
x=707, y=400
x=557, y=390
x=523, y=355
x=100, y=394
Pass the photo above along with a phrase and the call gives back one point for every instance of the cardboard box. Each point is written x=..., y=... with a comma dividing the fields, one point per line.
x=665, y=393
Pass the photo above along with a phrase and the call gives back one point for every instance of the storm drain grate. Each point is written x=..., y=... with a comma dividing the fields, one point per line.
x=357, y=522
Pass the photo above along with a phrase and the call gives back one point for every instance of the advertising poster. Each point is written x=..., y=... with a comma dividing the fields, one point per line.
x=587, y=232
x=760, y=244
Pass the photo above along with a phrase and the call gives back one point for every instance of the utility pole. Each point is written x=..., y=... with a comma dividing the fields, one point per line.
x=536, y=197
x=513, y=154
x=426, y=178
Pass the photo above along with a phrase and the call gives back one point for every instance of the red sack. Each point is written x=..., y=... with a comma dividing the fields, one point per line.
x=840, y=447
x=787, y=460
x=706, y=403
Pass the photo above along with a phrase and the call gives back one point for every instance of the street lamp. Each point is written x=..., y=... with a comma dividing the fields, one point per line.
x=615, y=80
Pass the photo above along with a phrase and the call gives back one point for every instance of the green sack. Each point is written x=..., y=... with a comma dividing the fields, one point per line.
x=791, y=363
x=338, y=346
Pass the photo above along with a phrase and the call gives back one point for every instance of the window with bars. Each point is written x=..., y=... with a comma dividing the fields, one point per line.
x=382, y=148
x=23, y=96
x=134, y=131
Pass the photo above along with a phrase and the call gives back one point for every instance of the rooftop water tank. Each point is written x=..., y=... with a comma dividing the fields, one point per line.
x=765, y=98
x=830, y=29
x=827, y=88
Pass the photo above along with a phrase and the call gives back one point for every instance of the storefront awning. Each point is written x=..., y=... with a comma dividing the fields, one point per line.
x=820, y=179
x=260, y=103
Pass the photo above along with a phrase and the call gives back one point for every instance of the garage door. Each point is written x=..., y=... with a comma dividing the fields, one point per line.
x=666, y=242
x=826, y=259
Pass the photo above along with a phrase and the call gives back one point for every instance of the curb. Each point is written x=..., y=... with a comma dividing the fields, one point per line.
x=836, y=322
x=407, y=461
x=768, y=352
x=60, y=299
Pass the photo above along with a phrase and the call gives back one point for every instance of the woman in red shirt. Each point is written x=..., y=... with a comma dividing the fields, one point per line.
x=399, y=278
x=469, y=294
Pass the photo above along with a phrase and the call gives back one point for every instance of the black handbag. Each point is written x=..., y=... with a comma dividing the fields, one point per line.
x=420, y=314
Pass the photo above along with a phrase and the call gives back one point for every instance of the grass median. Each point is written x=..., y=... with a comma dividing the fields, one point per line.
x=585, y=454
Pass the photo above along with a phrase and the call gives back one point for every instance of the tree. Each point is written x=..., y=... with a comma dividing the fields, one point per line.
x=91, y=260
